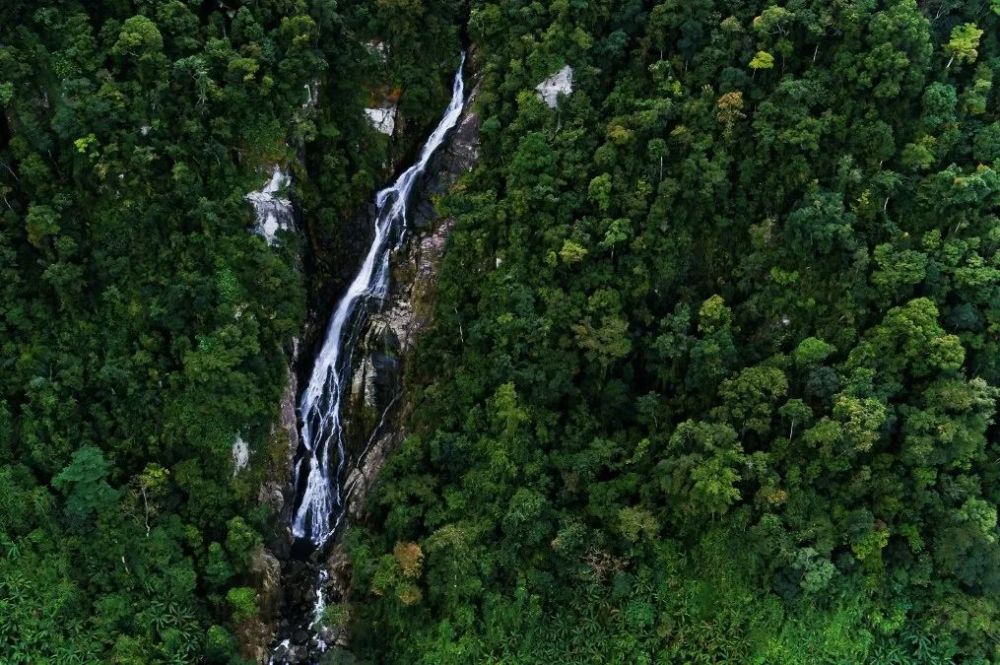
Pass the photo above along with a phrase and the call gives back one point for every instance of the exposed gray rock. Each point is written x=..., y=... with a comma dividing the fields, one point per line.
x=382, y=118
x=274, y=212
x=312, y=94
x=276, y=492
x=257, y=637
x=240, y=454
x=378, y=49
x=363, y=382
x=288, y=420
x=560, y=83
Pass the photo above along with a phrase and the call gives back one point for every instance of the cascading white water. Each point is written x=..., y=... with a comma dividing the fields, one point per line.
x=320, y=508
x=319, y=609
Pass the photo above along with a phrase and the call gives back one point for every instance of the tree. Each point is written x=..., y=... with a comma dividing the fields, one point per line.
x=773, y=20
x=658, y=150
x=861, y=420
x=605, y=342
x=700, y=470
x=41, y=222
x=987, y=144
x=762, y=60
x=963, y=44
x=84, y=482
x=820, y=223
x=599, y=191
x=636, y=523
x=730, y=110
x=572, y=252
x=139, y=36
x=749, y=400
x=242, y=603
x=812, y=351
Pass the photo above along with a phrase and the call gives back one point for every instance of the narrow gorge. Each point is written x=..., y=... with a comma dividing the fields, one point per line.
x=347, y=417
x=686, y=350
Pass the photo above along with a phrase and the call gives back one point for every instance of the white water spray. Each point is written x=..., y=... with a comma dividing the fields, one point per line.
x=319, y=609
x=321, y=508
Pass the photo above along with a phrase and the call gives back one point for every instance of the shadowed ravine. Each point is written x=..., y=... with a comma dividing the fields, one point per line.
x=320, y=465
x=320, y=503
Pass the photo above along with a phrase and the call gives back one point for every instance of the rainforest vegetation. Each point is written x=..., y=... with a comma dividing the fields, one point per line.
x=714, y=363
x=143, y=328
x=714, y=370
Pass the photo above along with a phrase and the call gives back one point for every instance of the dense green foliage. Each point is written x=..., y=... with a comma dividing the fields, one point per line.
x=142, y=326
x=714, y=369
x=715, y=362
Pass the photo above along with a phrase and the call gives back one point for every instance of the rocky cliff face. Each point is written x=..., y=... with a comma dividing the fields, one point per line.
x=374, y=410
x=377, y=397
x=274, y=213
x=257, y=635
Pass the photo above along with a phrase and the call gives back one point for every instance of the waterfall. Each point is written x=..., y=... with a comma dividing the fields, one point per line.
x=318, y=472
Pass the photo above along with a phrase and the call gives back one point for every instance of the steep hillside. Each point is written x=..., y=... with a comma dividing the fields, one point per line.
x=714, y=367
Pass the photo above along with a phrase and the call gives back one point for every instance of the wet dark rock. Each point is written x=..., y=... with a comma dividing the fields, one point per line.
x=423, y=215
x=387, y=368
x=281, y=652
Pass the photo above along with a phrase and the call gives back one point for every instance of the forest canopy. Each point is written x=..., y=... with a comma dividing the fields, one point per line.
x=714, y=363
x=144, y=330
x=714, y=367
